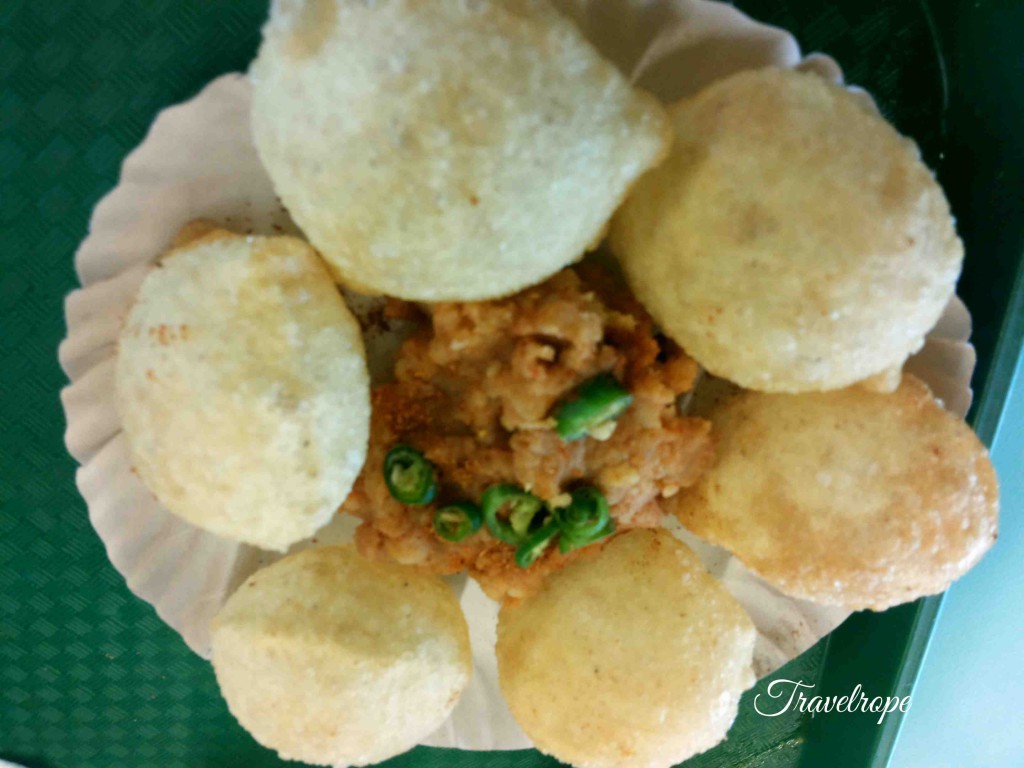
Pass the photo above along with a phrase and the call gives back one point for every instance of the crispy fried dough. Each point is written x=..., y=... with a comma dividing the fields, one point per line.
x=793, y=241
x=853, y=497
x=334, y=660
x=633, y=656
x=446, y=150
x=242, y=387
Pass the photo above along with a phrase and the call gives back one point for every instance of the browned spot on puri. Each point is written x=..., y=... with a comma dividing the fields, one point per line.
x=313, y=27
x=474, y=200
x=166, y=334
x=150, y=374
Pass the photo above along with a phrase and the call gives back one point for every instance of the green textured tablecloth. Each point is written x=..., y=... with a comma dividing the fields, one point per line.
x=89, y=676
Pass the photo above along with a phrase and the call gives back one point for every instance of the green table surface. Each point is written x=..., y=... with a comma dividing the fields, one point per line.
x=89, y=676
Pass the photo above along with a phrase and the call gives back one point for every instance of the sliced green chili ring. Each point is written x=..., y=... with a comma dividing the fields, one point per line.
x=596, y=403
x=535, y=544
x=586, y=514
x=410, y=478
x=524, y=512
x=568, y=543
x=456, y=521
x=522, y=507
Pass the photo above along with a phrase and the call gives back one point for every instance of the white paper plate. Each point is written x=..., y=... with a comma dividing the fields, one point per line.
x=198, y=161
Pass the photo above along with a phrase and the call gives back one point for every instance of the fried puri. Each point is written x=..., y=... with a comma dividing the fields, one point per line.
x=242, y=387
x=854, y=498
x=633, y=656
x=446, y=150
x=330, y=659
x=793, y=241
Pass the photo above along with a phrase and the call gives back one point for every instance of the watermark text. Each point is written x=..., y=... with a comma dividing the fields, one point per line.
x=784, y=695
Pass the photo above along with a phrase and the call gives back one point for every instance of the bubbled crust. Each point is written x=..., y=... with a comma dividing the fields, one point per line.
x=242, y=387
x=333, y=660
x=446, y=150
x=632, y=656
x=853, y=497
x=793, y=241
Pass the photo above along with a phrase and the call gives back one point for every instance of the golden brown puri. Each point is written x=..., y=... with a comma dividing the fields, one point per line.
x=793, y=240
x=631, y=656
x=242, y=387
x=853, y=497
x=330, y=659
x=446, y=150
x=474, y=390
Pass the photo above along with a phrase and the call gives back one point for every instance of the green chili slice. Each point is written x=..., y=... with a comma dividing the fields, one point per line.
x=522, y=508
x=587, y=519
x=535, y=544
x=586, y=515
x=410, y=478
x=596, y=403
x=569, y=543
x=457, y=521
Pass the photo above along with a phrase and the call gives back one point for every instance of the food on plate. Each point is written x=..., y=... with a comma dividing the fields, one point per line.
x=793, y=241
x=242, y=387
x=634, y=656
x=334, y=660
x=446, y=150
x=519, y=431
x=531, y=423
x=853, y=497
